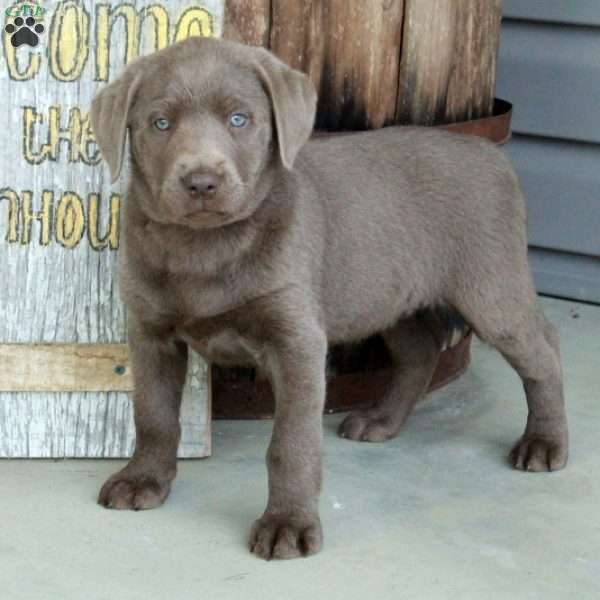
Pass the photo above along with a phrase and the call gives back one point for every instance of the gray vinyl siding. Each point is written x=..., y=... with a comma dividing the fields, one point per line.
x=575, y=12
x=549, y=68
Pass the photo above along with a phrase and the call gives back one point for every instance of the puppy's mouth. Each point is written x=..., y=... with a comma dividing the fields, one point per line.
x=201, y=218
x=205, y=217
x=181, y=206
x=205, y=212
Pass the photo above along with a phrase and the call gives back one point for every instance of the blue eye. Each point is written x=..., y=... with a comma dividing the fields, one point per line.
x=162, y=124
x=238, y=120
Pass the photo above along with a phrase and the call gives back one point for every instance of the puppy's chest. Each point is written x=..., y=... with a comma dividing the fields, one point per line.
x=165, y=290
x=223, y=345
x=207, y=315
x=191, y=298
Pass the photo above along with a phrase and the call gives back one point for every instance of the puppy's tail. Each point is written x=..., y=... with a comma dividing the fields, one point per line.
x=447, y=325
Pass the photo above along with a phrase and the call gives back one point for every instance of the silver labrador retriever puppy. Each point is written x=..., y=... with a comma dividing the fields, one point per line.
x=252, y=245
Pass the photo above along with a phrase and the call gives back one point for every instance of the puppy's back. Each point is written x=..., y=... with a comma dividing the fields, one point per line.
x=404, y=210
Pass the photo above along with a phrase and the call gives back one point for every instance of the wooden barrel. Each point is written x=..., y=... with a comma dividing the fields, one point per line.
x=379, y=62
x=375, y=63
x=64, y=372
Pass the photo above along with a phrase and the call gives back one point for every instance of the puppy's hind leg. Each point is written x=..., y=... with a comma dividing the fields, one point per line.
x=519, y=331
x=545, y=443
x=415, y=353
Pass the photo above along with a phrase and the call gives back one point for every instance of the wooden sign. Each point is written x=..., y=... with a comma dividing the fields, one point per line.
x=64, y=372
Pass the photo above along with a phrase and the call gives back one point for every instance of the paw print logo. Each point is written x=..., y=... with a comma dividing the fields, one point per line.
x=24, y=31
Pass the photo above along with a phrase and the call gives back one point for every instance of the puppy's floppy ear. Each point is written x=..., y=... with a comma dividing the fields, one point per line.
x=109, y=117
x=294, y=101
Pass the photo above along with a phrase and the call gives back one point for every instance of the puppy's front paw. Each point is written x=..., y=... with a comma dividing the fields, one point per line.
x=133, y=491
x=278, y=536
x=535, y=453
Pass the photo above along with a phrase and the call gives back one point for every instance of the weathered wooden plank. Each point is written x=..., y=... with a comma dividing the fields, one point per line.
x=65, y=368
x=247, y=21
x=448, y=63
x=351, y=51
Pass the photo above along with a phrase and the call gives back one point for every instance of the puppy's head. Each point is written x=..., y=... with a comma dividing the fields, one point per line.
x=206, y=119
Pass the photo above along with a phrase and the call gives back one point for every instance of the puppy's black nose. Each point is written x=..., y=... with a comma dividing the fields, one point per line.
x=201, y=183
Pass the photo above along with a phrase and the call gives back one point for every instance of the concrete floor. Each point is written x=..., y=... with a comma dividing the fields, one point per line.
x=435, y=513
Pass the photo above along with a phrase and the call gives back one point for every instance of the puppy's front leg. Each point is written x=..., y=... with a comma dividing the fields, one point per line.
x=290, y=525
x=159, y=364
